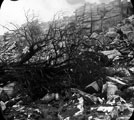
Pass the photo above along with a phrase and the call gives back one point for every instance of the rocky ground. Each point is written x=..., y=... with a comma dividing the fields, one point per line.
x=109, y=99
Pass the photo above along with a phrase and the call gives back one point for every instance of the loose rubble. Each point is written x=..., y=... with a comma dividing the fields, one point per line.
x=112, y=99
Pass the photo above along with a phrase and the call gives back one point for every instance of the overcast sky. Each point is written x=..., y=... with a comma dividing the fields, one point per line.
x=14, y=11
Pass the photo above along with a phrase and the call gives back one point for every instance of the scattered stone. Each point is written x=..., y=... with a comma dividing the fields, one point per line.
x=111, y=54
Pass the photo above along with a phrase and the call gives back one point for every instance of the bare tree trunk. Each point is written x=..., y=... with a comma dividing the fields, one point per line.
x=28, y=55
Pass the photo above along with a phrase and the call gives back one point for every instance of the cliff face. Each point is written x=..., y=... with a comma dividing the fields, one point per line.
x=103, y=16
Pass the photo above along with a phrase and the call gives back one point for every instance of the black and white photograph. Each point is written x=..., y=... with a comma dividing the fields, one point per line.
x=66, y=60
